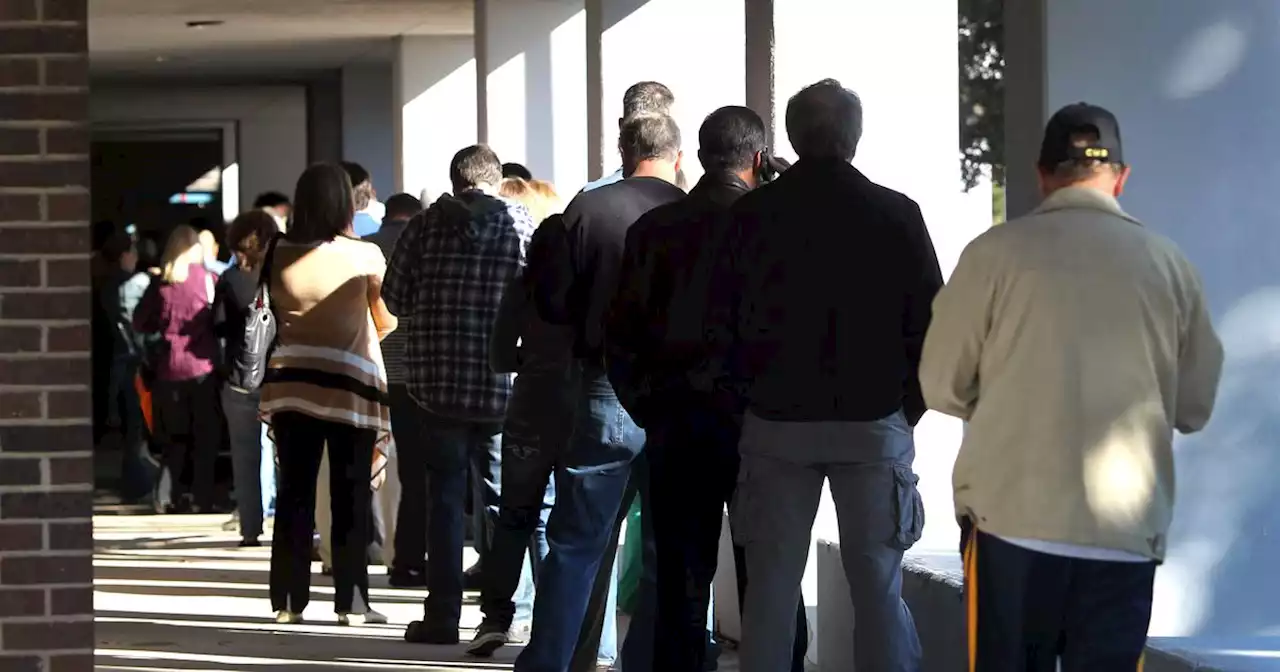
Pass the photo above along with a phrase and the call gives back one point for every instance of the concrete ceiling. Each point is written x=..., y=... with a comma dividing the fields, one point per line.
x=260, y=39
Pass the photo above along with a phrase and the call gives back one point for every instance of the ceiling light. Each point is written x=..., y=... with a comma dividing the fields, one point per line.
x=206, y=23
x=161, y=59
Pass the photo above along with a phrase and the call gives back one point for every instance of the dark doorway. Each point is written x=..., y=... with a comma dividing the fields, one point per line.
x=145, y=182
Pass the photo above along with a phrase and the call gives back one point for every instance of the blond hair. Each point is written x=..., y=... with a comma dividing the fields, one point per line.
x=539, y=196
x=181, y=251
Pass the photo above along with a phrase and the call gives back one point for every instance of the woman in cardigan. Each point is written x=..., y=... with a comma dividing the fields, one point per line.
x=326, y=385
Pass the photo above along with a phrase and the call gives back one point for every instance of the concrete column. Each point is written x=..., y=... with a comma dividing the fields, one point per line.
x=696, y=48
x=435, y=96
x=368, y=122
x=531, y=58
x=1194, y=89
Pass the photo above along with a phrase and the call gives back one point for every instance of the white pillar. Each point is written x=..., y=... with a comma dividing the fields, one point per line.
x=1194, y=90
x=533, y=87
x=695, y=48
x=435, y=98
x=369, y=110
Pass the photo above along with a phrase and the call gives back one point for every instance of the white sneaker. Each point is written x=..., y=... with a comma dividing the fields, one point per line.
x=370, y=617
x=233, y=524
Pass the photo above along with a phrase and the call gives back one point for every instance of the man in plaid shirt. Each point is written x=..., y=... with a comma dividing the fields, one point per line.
x=447, y=275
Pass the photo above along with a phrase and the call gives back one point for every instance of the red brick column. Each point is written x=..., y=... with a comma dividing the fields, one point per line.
x=46, y=459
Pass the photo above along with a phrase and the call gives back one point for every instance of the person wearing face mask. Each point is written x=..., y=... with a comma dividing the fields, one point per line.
x=209, y=244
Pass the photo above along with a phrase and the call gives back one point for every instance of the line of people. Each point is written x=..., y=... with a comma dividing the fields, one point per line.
x=773, y=328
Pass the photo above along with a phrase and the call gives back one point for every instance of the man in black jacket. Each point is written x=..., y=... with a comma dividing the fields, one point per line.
x=658, y=363
x=819, y=310
x=574, y=287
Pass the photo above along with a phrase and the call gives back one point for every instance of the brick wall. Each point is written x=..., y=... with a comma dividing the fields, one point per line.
x=46, y=467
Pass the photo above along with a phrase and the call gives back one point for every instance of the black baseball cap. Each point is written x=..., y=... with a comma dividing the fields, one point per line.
x=1079, y=118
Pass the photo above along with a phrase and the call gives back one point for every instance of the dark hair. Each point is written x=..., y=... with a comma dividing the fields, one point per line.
x=360, y=183
x=249, y=234
x=475, y=166
x=323, y=204
x=647, y=98
x=402, y=206
x=730, y=138
x=648, y=136
x=148, y=251
x=270, y=199
x=516, y=170
x=116, y=245
x=824, y=120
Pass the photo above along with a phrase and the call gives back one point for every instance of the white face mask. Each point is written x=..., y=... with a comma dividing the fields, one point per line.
x=281, y=220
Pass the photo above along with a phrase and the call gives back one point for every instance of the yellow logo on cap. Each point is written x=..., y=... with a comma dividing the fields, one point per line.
x=1096, y=153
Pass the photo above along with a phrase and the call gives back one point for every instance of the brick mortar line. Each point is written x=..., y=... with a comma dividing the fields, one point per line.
x=44, y=223
x=45, y=388
x=46, y=422
x=50, y=553
x=67, y=289
x=42, y=356
x=30, y=456
x=43, y=490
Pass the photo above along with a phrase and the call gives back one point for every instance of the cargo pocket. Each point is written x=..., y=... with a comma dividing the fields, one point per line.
x=909, y=508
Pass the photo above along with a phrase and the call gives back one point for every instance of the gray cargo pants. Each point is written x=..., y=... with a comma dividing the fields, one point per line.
x=880, y=515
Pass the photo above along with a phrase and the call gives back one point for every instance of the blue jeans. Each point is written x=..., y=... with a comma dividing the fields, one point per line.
x=451, y=446
x=591, y=481
x=534, y=437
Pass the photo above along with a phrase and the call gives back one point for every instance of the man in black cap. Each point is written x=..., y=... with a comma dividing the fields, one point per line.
x=1073, y=342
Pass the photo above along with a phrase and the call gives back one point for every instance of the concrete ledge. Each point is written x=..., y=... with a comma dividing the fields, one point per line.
x=931, y=585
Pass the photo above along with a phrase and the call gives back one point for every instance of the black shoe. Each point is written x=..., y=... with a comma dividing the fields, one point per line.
x=712, y=661
x=490, y=637
x=250, y=543
x=407, y=577
x=419, y=632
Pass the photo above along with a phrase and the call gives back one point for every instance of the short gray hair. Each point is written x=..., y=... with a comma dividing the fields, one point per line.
x=824, y=120
x=648, y=136
x=647, y=98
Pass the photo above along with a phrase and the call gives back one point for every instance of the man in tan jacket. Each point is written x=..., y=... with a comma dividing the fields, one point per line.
x=1073, y=342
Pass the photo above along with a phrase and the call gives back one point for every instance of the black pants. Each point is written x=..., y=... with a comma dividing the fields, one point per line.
x=300, y=442
x=1029, y=609
x=188, y=427
x=411, y=461
x=245, y=431
x=693, y=460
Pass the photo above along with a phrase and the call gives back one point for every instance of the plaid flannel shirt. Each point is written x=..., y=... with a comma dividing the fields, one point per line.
x=447, y=275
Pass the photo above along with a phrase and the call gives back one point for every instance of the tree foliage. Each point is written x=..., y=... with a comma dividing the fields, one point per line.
x=981, y=90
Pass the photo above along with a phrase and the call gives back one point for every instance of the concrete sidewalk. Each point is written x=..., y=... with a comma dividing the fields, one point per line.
x=174, y=593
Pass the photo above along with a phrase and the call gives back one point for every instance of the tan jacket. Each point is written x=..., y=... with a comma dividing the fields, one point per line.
x=1073, y=341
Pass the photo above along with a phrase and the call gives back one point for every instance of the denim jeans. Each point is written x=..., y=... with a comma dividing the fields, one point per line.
x=534, y=437
x=591, y=481
x=451, y=447
x=601, y=620
x=879, y=514
x=245, y=433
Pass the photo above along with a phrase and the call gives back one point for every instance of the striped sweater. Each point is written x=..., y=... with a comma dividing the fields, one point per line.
x=327, y=362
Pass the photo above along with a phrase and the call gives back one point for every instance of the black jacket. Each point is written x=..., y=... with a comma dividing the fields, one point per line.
x=574, y=280
x=823, y=296
x=655, y=341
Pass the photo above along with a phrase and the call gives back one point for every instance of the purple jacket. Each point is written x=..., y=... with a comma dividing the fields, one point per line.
x=183, y=315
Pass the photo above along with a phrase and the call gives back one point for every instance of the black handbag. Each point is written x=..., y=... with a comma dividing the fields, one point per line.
x=248, y=367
